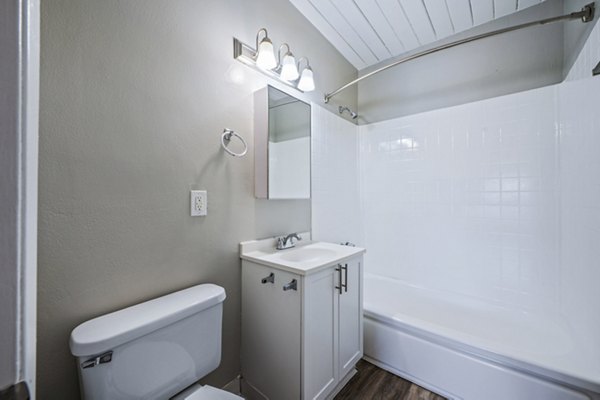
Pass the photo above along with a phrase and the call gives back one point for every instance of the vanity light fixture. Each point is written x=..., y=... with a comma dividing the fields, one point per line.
x=287, y=66
x=306, y=82
x=262, y=58
x=265, y=58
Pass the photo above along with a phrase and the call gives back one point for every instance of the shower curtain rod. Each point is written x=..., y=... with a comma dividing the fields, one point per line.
x=586, y=15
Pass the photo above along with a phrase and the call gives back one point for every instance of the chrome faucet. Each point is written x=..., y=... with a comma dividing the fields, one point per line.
x=287, y=242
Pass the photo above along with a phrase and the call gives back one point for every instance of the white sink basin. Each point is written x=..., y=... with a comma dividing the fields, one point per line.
x=311, y=252
x=306, y=258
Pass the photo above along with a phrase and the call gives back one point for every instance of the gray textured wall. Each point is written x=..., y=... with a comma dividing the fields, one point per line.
x=134, y=96
x=492, y=67
x=9, y=193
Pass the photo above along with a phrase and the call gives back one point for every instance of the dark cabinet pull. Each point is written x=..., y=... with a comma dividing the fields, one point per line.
x=345, y=284
x=339, y=270
x=270, y=278
x=293, y=285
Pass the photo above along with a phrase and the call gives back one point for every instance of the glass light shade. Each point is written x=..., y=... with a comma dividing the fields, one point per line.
x=307, y=83
x=266, y=56
x=289, y=71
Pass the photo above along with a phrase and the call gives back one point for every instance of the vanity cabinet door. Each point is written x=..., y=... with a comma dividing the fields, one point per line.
x=320, y=361
x=271, y=326
x=350, y=317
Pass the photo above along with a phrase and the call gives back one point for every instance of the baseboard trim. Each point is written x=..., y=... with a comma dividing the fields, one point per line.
x=342, y=383
x=249, y=392
x=234, y=386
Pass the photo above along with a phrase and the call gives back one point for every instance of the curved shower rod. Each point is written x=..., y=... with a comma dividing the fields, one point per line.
x=586, y=15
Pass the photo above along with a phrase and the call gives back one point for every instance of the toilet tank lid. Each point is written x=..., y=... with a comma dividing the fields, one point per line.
x=111, y=330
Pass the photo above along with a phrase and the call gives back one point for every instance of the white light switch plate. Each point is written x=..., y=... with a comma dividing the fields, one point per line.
x=199, y=203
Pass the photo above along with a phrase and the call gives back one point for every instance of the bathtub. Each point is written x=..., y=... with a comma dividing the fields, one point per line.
x=464, y=348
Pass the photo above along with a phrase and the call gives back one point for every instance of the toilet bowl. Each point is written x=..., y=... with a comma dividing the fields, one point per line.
x=154, y=350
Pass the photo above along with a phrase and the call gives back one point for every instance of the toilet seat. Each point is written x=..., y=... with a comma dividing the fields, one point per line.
x=206, y=392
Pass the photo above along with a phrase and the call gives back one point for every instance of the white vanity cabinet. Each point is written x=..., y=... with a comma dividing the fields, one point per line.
x=300, y=343
x=332, y=331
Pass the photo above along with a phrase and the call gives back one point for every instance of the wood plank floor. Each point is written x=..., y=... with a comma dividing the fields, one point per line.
x=373, y=383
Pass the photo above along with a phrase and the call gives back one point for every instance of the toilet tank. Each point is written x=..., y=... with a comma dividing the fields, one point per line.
x=151, y=350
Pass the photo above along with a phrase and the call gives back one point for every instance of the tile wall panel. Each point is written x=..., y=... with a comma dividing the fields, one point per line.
x=335, y=193
x=465, y=198
x=498, y=199
x=580, y=203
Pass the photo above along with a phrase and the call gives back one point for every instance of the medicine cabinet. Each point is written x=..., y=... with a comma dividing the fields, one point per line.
x=281, y=145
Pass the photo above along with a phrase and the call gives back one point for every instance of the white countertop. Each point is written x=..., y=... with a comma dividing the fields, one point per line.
x=305, y=258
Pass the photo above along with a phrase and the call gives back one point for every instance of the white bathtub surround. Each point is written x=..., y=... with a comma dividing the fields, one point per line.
x=465, y=199
x=335, y=196
x=580, y=209
x=483, y=222
x=496, y=202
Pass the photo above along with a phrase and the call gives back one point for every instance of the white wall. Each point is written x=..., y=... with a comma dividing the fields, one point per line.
x=335, y=197
x=19, y=97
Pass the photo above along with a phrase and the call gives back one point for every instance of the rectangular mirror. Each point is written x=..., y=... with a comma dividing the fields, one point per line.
x=281, y=145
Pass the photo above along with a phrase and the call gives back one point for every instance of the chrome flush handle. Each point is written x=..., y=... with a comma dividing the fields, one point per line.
x=101, y=359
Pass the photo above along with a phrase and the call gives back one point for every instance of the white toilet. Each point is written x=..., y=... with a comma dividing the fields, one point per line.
x=154, y=350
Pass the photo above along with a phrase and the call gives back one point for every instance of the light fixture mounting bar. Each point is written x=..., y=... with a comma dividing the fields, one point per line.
x=246, y=54
x=585, y=15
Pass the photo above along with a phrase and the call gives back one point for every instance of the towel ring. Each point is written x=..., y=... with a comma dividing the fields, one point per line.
x=226, y=138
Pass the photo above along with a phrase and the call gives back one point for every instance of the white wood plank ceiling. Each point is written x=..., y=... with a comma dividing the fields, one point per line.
x=367, y=32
